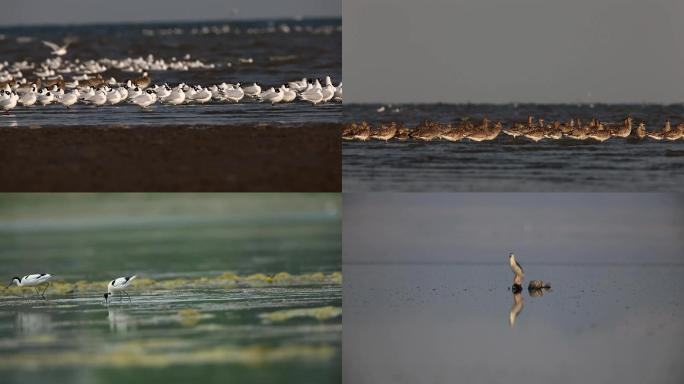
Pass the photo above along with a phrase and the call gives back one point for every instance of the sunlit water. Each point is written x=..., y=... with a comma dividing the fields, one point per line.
x=281, y=51
x=450, y=323
x=506, y=164
x=241, y=288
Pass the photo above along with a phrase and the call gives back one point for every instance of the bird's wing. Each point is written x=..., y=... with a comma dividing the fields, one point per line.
x=51, y=45
x=519, y=266
x=119, y=281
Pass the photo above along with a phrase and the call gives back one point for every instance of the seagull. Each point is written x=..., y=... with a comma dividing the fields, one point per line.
x=33, y=281
x=119, y=285
x=56, y=49
x=516, y=268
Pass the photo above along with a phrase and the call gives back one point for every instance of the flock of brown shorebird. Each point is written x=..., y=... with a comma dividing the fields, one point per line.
x=531, y=129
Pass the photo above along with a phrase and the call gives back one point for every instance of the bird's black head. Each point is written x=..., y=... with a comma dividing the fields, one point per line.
x=106, y=296
x=12, y=281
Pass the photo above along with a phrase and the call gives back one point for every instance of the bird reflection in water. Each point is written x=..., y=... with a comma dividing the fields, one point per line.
x=536, y=288
x=516, y=308
x=120, y=321
x=33, y=323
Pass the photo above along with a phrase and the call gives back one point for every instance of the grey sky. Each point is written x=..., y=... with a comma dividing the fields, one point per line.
x=543, y=228
x=513, y=50
x=89, y=11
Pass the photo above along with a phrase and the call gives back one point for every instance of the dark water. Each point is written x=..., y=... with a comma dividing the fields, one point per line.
x=506, y=164
x=204, y=307
x=282, y=51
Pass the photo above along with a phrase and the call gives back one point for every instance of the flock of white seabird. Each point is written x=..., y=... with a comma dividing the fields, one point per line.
x=137, y=92
x=87, y=86
x=117, y=285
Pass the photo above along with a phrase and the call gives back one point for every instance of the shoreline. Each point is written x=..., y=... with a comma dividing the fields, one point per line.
x=263, y=158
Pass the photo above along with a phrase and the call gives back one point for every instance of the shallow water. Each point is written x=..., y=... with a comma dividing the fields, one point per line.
x=241, y=287
x=506, y=164
x=451, y=323
x=282, y=50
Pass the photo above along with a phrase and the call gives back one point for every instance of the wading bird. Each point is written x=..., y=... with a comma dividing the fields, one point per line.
x=119, y=285
x=33, y=281
x=516, y=268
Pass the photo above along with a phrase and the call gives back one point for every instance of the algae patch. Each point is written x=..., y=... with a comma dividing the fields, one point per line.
x=320, y=313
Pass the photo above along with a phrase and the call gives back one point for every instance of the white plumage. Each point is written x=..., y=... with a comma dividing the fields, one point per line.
x=119, y=285
x=33, y=281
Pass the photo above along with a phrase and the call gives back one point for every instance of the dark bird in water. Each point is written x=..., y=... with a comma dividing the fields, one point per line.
x=538, y=284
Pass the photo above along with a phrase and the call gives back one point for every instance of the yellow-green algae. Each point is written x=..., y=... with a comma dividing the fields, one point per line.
x=225, y=280
x=147, y=354
x=320, y=313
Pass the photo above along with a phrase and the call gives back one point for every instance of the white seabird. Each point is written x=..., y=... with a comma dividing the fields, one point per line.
x=56, y=49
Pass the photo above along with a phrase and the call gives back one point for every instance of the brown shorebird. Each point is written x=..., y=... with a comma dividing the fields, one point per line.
x=659, y=135
x=384, y=132
x=402, y=132
x=674, y=133
x=597, y=131
x=553, y=132
x=142, y=81
x=623, y=129
x=356, y=131
x=485, y=131
x=640, y=131
x=427, y=131
x=451, y=133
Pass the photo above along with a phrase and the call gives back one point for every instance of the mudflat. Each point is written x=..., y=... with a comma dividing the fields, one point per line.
x=304, y=157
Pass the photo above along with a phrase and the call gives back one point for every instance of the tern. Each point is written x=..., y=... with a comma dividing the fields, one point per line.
x=119, y=285
x=56, y=49
x=33, y=281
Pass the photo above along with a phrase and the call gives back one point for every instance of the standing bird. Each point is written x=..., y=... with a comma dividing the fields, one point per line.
x=119, y=285
x=516, y=268
x=33, y=281
x=56, y=49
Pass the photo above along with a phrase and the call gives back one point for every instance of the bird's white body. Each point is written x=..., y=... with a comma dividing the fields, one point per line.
x=146, y=99
x=253, y=90
x=32, y=280
x=120, y=284
x=56, y=49
x=68, y=99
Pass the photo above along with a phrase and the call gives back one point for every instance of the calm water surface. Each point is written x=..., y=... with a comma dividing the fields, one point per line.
x=505, y=164
x=451, y=323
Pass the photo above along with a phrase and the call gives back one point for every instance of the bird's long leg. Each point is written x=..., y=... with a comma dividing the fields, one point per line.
x=129, y=296
x=46, y=287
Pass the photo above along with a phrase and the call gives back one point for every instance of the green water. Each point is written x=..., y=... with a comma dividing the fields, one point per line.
x=186, y=321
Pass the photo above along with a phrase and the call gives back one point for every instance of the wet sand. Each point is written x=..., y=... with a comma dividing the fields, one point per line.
x=171, y=158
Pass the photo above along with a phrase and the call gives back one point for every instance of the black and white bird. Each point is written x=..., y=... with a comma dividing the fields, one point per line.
x=516, y=268
x=119, y=285
x=33, y=281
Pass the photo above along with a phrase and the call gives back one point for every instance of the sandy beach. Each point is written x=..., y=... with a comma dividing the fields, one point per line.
x=171, y=158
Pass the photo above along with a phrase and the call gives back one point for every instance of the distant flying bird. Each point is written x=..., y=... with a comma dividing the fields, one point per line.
x=516, y=268
x=119, y=285
x=33, y=281
x=56, y=49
